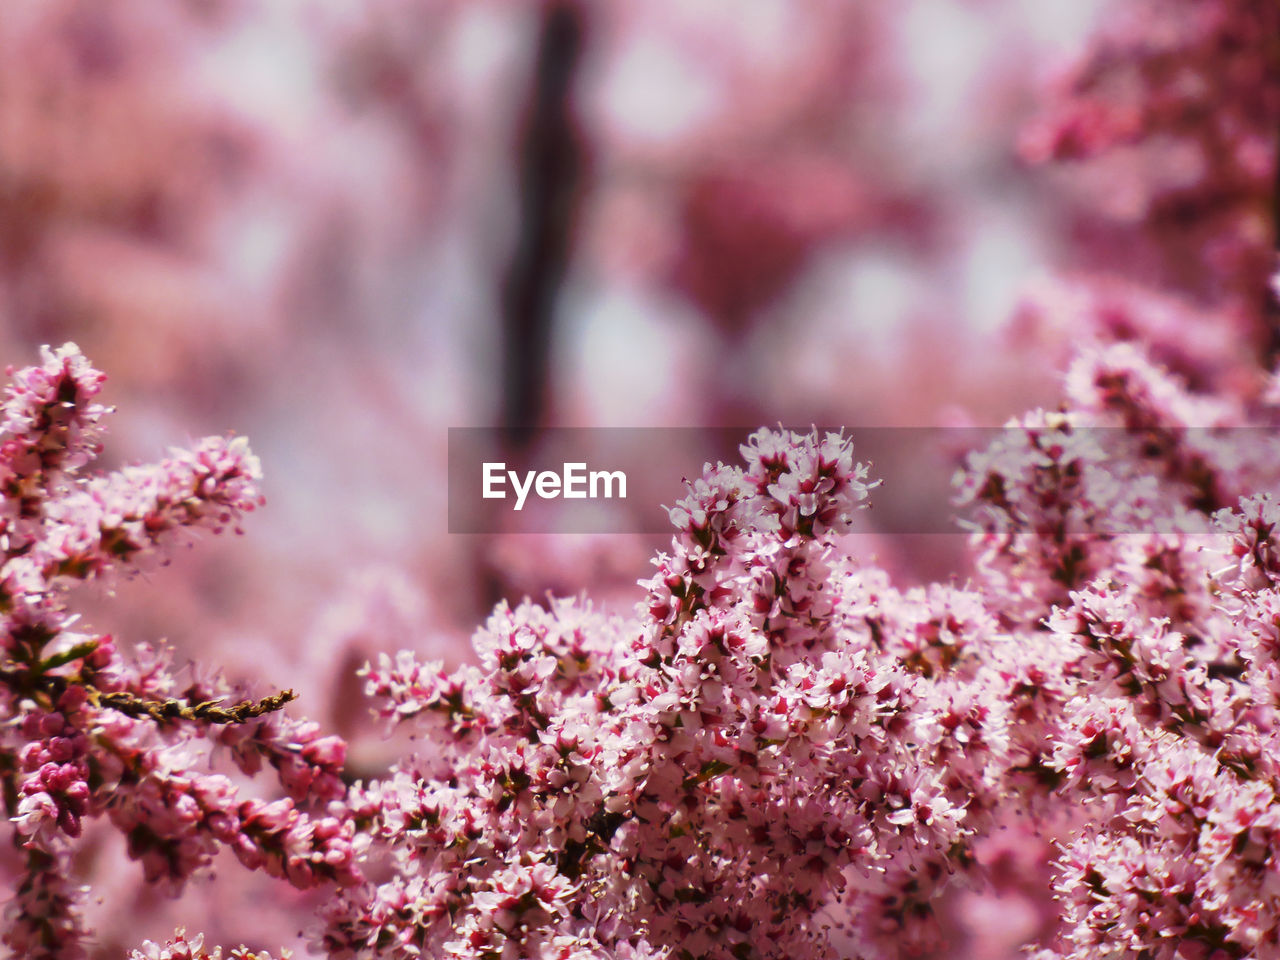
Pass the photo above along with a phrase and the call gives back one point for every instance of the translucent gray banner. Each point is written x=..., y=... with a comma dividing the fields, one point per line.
x=1079, y=481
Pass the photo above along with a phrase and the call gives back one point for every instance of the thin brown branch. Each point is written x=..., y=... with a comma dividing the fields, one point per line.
x=208, y=711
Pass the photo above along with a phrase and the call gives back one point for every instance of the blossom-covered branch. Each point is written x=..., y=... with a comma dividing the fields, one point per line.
x=90, y=733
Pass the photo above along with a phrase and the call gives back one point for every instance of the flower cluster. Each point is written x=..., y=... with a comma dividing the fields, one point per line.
x=785, y=755
x=778, y=733
x=1151, y=692
x=90, y=733
x=1179, y=103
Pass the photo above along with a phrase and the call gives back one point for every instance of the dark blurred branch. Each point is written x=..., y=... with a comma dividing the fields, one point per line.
x=550, y=161
x=1271, y=314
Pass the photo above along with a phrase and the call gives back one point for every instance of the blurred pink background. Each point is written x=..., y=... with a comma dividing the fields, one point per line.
x=340, y=228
